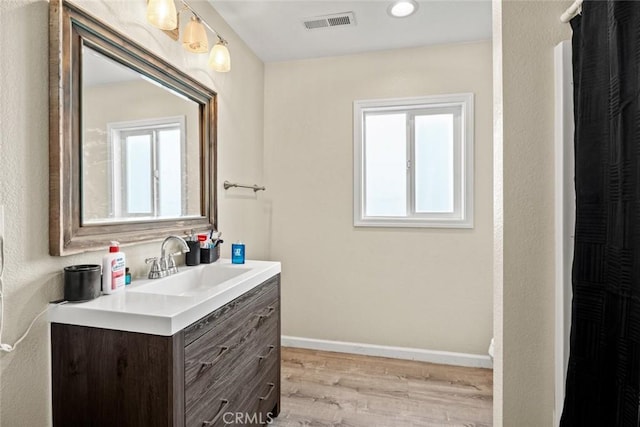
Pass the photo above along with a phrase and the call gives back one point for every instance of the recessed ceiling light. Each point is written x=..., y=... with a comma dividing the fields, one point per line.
x=402, y=8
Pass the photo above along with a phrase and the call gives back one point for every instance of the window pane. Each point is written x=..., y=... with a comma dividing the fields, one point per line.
x=170, y=173
x=386, y=165
x=434, y=163
x=138, y=185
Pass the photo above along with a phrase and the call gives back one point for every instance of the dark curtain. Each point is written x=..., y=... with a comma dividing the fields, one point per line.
x=604, y=363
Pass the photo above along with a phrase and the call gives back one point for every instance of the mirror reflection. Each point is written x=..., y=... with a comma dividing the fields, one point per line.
x=140, y=146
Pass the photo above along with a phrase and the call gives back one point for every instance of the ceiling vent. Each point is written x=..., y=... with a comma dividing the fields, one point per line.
x=326, y=21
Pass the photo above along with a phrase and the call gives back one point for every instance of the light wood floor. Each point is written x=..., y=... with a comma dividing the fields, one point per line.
x=334, y=389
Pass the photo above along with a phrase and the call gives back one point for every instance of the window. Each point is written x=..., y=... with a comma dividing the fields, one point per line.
x=413, y=162
x=151, y=182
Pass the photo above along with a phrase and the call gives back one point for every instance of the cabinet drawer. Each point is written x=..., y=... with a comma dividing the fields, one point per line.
x=268, y=394
x=223, y=321
x=225, y=384
x=263, y=396
x=216, y=414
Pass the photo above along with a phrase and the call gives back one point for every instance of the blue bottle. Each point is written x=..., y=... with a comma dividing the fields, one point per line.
x=237, y=253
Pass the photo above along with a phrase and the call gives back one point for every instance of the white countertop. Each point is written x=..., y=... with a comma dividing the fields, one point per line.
x=160, y=314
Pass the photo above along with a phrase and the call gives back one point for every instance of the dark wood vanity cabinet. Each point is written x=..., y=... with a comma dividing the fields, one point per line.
x=222, y=370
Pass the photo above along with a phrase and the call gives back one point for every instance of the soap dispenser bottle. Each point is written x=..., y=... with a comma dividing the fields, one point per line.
x=113, y=270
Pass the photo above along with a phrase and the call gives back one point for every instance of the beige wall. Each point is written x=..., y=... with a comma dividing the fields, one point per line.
x=524, y=305
x=421, y=288
x=32, y=277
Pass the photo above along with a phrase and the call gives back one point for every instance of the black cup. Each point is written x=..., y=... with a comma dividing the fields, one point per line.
x=193, y=256
x=82, y=282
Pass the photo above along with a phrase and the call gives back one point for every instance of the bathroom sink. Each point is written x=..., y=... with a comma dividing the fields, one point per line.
x=192, y=281
x=168, y=305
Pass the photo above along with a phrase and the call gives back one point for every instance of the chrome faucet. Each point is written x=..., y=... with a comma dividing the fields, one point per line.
x=170, y=263
x=166, y=265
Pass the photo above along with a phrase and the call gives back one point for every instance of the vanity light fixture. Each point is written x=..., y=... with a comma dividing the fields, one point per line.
x=220, y=60
x=194, y=38
x=162, y=14
x=402, y=8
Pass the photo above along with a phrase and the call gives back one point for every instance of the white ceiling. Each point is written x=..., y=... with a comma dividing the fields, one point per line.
x=97, y=69
x=275, y=32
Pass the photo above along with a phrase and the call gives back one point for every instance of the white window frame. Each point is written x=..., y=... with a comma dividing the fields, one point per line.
x=117, y=188
x=462, y=217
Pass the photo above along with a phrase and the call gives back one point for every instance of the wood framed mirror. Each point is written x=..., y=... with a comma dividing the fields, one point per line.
x=132, y=151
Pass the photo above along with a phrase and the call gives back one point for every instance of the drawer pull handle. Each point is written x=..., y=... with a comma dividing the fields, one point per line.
x=272, y=387
x=270, y=311
x=261, y=358
x=224, y=404
x=223, y=350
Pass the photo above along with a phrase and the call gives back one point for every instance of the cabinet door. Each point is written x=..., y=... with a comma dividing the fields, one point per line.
x=103, y=377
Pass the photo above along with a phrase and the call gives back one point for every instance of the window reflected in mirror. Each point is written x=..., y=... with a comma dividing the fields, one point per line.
x=140, y=146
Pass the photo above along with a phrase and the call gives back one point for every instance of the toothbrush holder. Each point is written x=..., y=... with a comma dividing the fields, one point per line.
x=193, y=256
x=209, y=255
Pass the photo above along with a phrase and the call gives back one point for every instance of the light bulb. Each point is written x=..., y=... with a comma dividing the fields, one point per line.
x=220, y=60
x=195, y=36
x=162, y=14
x=403, y=8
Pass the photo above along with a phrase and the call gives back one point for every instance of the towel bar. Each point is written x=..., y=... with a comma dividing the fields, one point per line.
x=255, y=188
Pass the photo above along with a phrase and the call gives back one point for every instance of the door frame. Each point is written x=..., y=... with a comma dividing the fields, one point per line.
x=564, y=215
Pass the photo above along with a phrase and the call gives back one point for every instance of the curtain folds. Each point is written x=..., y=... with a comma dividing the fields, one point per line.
x=603, y=377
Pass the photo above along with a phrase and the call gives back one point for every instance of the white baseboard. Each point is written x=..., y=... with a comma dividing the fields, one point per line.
x=431, y=356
